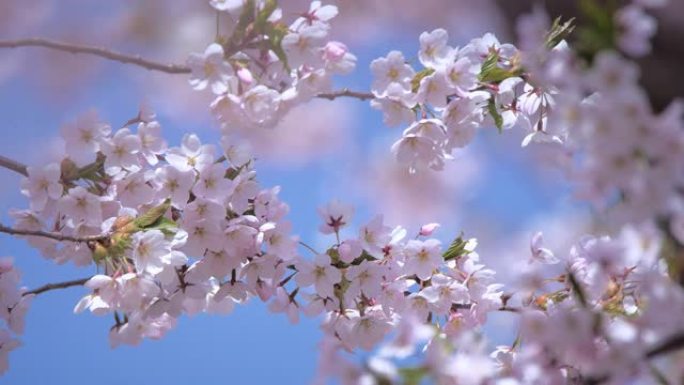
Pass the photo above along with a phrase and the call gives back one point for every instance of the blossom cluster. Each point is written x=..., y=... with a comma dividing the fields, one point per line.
x=369, y=285
x=172, y=230
x=597, y=317
x=260, y=75
x=636, y=27
x=14, y=303
x=457, y=91
x=619, y=153
x=187, y=229
x=594, y=117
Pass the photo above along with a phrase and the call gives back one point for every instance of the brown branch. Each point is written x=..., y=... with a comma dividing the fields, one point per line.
x=466, y=306
x=151, y=65
x=97, y=51
x=52, y=235
x=675, y=342
x=13, y=165
x=670, y=345
x=346, y=93
x=59, y=285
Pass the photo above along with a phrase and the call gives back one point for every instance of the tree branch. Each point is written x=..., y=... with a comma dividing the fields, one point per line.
x=150, y=65
x=670, y=345
x=13, y=165
x=309, y=247
x=97, y=51
x=675, y=342
x=346, y=93
x=59, y=285
x=52, y=235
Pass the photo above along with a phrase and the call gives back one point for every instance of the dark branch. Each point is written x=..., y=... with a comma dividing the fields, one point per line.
x=13, y=165
x=150, y=65
x=59, y=285
x=97, y=51
x=670, y=345
x=675, y=342
x=52, y=235
x=346, y=93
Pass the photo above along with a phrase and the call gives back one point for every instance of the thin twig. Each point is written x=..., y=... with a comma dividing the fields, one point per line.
x=13, y=165
x=52, y=235
x=346, y=93
x=467, y=306
x=309, y=247
x=97, y=51
x=151, y=65
x=59, y=285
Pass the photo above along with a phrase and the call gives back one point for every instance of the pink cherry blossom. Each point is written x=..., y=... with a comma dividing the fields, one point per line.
x=42, y=185
x=319, y=273
x=211, y=70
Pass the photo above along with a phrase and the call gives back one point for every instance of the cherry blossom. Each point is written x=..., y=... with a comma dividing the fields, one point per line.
x=121, y=151
x=422, y=257
x=210, y=69
x=82, y=138
x=335, y=216
x=184, y=230
x=320, y=273
x=392, y=69
x=42, y=185
x=82, y=207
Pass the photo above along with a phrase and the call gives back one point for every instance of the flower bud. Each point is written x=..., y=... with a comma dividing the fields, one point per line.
x=99, y=253
x=428, y=229
x=122, y=221
x=334, y=51
x=245, y=76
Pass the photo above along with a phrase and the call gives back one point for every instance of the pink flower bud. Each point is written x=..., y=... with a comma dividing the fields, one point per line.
x=335, y=51
x=245, y=76
x=428, y=229
x=6, y=264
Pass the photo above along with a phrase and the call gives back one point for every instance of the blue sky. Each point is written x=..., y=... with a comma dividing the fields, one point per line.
x=249, y=346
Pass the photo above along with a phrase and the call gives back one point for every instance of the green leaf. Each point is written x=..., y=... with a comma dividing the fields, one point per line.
x=558, y=296
x=264, y=14
x=365, y=256
x=99, y=253
x=559, y=32
x=598, y=32
x=276, y=33
x=498, y=120
x=91, y=170
x=119, y=246
x=246, y=18
x=334, y=255
x=152, y=215
x=165, y=225
x=232, y=173
x=418, y=77
x=412, y=376
x=498, y=74
x=489, y=64
x=456, y=249
x=600, y=16
x=492, y=73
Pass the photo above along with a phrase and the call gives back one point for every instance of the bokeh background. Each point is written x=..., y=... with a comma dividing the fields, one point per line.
x=493, y=190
